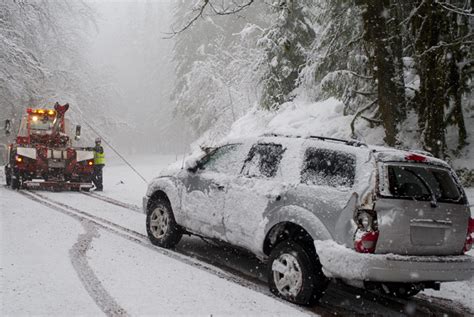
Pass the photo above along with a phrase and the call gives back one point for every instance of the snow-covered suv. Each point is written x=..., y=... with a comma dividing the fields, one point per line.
x=316, y=208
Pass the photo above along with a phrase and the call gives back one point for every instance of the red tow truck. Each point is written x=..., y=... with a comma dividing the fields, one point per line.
x=42, y=156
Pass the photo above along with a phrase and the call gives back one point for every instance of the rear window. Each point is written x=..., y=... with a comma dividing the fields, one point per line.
x=328, y=168
x=422, y=183
x=263, y=160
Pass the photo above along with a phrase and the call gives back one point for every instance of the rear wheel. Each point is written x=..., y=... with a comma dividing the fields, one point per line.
x=161, y=226
x=294, y=274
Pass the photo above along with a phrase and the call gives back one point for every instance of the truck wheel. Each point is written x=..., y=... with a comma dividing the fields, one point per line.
x=295, y=275
x=161, y=226
x=8, y=177
x=15, y=181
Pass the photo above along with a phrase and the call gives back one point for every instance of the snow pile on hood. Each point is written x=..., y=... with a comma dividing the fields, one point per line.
x=323, y=118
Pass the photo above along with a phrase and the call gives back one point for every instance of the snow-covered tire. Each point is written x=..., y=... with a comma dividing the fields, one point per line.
x=295, y=274
x=161, y=226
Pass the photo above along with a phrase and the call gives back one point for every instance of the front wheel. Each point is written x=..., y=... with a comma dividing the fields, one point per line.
x=8, y=176
x=161, y=226
x=16, y=180
x=295, y=275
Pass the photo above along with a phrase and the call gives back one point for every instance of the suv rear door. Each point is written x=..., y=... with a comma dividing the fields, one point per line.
x=422, y=210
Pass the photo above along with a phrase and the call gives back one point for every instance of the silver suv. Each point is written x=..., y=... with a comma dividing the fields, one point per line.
x=316, y=208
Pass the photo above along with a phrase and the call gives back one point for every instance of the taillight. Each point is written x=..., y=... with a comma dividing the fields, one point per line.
x=469, y=237
x=365, y=242
x=18, y=158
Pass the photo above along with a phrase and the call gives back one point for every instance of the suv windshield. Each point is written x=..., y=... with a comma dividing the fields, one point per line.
x=423, y=183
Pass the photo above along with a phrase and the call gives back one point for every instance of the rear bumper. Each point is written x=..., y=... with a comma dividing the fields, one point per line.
x=341, y=262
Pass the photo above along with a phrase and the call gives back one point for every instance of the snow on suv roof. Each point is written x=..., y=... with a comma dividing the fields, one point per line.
x=382, y=153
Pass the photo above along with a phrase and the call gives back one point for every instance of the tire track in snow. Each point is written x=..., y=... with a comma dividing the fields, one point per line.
x=114, y=201
x=91, y=282
x=78, y=256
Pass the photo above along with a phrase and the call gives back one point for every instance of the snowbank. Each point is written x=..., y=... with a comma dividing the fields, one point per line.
x=324, y=118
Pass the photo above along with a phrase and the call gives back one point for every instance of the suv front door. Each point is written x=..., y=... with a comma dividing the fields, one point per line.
x=249, y=194
x=204, y=191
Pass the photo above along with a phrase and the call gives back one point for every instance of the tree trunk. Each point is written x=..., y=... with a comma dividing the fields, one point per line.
x=432, y=84
x=390, y=92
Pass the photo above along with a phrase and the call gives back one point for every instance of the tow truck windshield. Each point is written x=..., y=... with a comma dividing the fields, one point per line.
x=41, y=122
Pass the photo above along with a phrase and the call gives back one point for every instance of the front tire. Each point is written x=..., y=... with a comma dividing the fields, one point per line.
x=8, y=176
x=295, y=275
x=16, y=181
x=161, y=226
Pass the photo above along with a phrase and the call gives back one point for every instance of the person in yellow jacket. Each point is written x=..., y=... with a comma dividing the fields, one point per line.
x=99, y=162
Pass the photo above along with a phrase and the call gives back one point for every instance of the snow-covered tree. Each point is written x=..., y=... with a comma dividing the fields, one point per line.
x=286, y=44
x=216, y=60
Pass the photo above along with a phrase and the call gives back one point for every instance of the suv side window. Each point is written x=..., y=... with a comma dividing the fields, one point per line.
x=224, y=160
x=328, y=167
x=263, y=160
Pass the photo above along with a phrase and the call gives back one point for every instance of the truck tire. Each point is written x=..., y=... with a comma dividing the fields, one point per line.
x=8, y=177
x=161, y=225
x=295, y=275
x=16, y=181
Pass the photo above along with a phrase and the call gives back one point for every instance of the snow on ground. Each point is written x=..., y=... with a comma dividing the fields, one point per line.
x=122, y=183
x=38, y=273
x=52, y=264
x=149, y=283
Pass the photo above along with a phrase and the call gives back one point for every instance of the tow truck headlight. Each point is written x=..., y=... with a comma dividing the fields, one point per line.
x=18, y=158
x=90, y=162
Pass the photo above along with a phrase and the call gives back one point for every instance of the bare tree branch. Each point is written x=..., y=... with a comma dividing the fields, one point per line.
x=201, y=7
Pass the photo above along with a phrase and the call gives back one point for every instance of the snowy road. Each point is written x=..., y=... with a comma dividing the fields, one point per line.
x=75, y=254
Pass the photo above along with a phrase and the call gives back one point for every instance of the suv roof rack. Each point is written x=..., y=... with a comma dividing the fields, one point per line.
x=317, y=137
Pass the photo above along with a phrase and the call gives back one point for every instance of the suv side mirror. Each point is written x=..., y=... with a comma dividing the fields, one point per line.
x=78, y=133
x=8, y=127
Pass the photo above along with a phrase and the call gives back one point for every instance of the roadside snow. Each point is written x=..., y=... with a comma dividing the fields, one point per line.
x=120, y=182
x=36, y=273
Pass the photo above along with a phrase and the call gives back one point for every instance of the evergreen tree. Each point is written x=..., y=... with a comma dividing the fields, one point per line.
x=286, y=44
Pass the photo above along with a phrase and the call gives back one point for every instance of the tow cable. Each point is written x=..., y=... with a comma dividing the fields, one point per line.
x=116, y=152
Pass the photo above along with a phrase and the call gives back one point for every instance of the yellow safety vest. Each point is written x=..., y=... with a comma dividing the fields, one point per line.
x=99, y=158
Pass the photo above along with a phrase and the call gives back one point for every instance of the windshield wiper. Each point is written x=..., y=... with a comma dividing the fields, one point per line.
x=434, y=201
